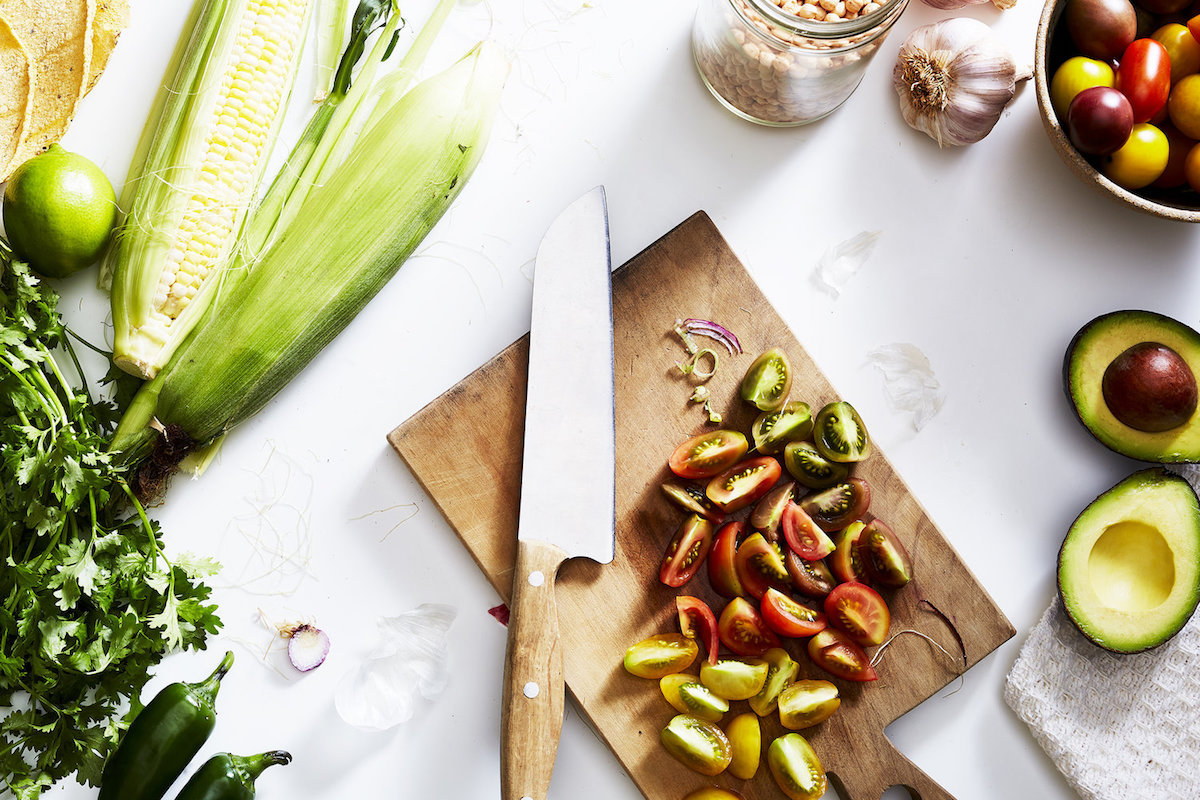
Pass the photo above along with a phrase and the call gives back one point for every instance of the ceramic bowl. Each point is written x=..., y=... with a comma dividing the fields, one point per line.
x=1054, y=47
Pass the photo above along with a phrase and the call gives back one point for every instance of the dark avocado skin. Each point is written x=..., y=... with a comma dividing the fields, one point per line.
x=1113, y=333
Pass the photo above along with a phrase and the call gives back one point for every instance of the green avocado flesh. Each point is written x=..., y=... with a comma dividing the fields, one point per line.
x=1088, y=357
x=1129, y=568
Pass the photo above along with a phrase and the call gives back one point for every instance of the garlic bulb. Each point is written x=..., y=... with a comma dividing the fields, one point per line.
x=954, y=78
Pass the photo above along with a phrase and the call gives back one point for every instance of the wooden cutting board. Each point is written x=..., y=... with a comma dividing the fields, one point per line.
x=465, y=449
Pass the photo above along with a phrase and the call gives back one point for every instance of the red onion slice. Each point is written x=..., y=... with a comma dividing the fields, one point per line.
x=713, y=330
x=307, y=647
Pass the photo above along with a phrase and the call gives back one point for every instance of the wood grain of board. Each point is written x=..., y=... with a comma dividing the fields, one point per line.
x=465, y=449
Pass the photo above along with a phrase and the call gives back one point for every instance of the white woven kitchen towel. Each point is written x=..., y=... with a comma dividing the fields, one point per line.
x=1117, y=726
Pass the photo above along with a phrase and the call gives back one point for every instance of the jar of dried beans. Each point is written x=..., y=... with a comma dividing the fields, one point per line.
x=788, y=62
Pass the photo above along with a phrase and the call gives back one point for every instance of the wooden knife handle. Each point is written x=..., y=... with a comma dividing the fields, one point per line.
x=531, y=712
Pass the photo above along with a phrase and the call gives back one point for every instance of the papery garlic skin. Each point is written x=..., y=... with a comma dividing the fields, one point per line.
x=954, y=79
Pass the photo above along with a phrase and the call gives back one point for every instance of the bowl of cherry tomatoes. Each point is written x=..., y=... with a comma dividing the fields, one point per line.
x=1118, y=89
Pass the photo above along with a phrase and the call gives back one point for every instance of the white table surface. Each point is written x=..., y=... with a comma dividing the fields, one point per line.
x=990, y=258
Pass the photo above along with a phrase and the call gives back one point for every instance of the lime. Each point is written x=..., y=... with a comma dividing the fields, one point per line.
x=59, y=210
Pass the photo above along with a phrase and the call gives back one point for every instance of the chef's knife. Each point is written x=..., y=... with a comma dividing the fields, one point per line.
x=568, y=479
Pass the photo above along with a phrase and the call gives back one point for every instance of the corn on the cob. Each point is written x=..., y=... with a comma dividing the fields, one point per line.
x=213, y=133
x=349, y=236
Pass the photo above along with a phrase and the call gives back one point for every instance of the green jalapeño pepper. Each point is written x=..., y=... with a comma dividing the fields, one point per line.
x=162, y=739
x=229, y=777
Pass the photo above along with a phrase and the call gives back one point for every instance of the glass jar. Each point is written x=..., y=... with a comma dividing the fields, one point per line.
x=776, y=67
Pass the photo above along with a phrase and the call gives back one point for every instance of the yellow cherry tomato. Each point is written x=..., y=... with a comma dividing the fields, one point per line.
x=1184, y=106
x=735, y=678
x=689, y=696
x=1141, y=160
x=797, y=770
x=1191, y=167
x=1075, y=75
x=1182, y=49
x=661, y=655
x=745, y=738
x=714, y=793
x=781, y=671
x=698, y=745
x=806, y=703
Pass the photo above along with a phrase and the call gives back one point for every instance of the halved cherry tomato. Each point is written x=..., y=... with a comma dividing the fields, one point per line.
x=797, y=770
x=660, y=655
x=858, y=610
x=745, y=738
x=811, y=578
x=839, y=433
x=722, y=571
x=846, y=560
x=686, y=551
x=743, y=631
x=768, y=511
x=768, y=381
x=697, y=621
x=781, y=671
x=698, y=745
x=789, y=617
x=708, y=454
x=839, y=505
x=759, y=566
x=688, y=695
x=743, y=483
x=691, y=497
x=714, y=793
x=1144, y=77
x=803, y=536
x=883, y=556
x=735, y=678
x=839, y=655
x=807, y=703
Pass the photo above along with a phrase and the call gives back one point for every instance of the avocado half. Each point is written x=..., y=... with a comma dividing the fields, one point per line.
x=1129, y=568
x=1092, y=350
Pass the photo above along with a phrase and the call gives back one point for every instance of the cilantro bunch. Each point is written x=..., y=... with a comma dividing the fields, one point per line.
x=88, y=602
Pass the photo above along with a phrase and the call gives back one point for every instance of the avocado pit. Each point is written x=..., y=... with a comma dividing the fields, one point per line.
x=1149, y=387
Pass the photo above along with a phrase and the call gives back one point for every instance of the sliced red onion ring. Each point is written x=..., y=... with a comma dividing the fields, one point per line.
x=713, y=330
x=307, y=647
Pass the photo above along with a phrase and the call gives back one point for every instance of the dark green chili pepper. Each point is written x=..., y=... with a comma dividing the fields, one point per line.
x=162, y=739
x=229, y=777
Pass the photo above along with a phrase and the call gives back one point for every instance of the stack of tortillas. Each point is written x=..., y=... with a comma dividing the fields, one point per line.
x=51, y=54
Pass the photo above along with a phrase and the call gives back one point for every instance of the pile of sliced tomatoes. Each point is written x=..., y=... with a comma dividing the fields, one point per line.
x=804, y=562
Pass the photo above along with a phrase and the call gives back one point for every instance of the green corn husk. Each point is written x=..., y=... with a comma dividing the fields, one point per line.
x=349, y=236
x=196, y=170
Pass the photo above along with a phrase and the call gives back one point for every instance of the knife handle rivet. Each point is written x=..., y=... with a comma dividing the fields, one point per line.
x=536, y=578
x=531, y=690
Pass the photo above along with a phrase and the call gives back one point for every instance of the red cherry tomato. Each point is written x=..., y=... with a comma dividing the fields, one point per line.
x=743, y=631
x=743, y=483
x=858, y=610
x=1193, y=25
x=803, y=536
x=1144, y=76
x=722, y=570
x=759, y=565
x=837, y=654
x=686, y=551
x=846, y=561
x=789, y=617
x=708, y=454
x=697, y=621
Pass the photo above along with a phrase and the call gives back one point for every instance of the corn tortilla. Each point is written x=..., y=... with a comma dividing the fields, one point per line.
x=16, y=94
x=57, y=35
x=112, y=17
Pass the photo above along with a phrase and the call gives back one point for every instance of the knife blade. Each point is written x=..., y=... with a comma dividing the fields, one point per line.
x=568, y=479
